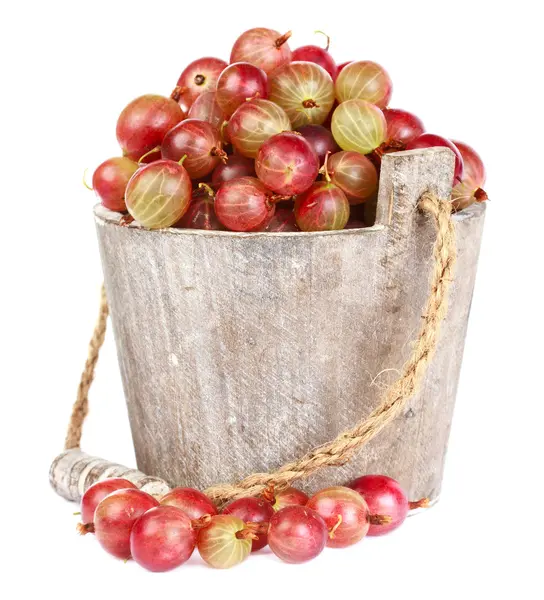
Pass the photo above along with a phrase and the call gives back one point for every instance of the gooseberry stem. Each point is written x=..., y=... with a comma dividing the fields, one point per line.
x=177, y=93
x=379, y=519
x=246, y=534
x=480, y=195
x=126, y=220
x=85, y=528
x=326, y=169
x=328, y=39
x=269, y=494
x=282, y=39
x=152, y=151
x=310, y=103
x=221, y=154
x=335, y=527
x=421, y=503
x=207, y=189
x=201, y=522
x=182, y=159
x=85, y=183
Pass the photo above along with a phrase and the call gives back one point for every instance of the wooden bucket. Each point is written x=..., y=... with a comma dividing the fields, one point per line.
x=240, y=352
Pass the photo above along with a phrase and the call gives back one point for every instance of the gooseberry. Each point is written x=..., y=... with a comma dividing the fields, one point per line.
x=359, y=126
x=244, y=204
x=200, y=76
x=236, y=166
x=162, y=539
x=324, y=207
x=321, y=140
x=305, y=91
x=205, y=108
x=239, y=82
x=289, y=497
x=224, y=542
x=283, y=220
x=430, y=140
x=254, y=122
x=252, y=510
x=473, y=166
x=110, y=181
x=364, y=80
x=144, y=122
x=384, y=496
x=200, y=214
x=345, y=513
x=287, y=164
x=115, y=516
x=402, y=127
x=317, y=55
x=199, y=142
x=354, y=174
x=297, y=534
x=158, y=194
x=264, y=48
x=192, y=502
x=97, y=492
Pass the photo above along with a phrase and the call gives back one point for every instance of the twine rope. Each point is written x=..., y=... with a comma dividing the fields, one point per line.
x=340, y=450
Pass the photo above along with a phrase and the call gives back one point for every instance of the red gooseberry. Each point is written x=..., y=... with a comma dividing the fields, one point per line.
x=384, y=496
x=200, y=214
x=110, y=181
x=236, y=166
x=199, y=142
x=345, y=513
x=144, y=122
x=321, y=140
x=354, y=174
x=297, y=534
x=252, y=510
x=97, y=492
x=283, y=220
x=287, y=164
x=239, y=82
x=317, y=55
x=289, y=496
x=115, y=516
x=205, y=108
x=244, y=204
x=402, y=127
x=264, y=48
x=192, y=502
x=162, y=539
x=200, y=76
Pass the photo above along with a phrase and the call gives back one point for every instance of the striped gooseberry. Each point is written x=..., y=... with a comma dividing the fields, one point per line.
x=162, y=539
x=244, y=204
x=320, y=139
x=224, y=542
x=297, y=534
x=364, y=80
x=144, y=122
x=200, y=214
x=354, y=174
x=289, y=496
x=402, y=127
x=110, y=181
x=317, y=55
x=287, y=164
x=205, y=108
x=254, y=122
x=192, y=502
x=252, y=510
x=199, y=142
x=305, y=91
x=237, y=83
x=115, y=516
x=359, y=126
x=469, y=189
x=200, y=76
x=345, y=513
x=264, y=48
x=236, y=166
x=158, y=194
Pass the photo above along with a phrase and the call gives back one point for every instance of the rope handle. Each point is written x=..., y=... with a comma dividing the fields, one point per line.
x=340, y=450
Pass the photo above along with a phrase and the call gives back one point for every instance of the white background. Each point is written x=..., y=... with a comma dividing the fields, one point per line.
x=470, y=71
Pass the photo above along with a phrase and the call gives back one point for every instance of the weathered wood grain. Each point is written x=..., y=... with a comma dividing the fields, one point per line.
x=240, y=352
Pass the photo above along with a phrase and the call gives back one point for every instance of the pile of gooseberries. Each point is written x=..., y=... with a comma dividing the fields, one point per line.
x=257, y=132
x=161, y=534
